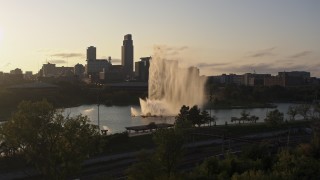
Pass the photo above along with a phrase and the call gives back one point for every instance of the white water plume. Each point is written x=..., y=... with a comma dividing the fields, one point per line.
x=170, y=87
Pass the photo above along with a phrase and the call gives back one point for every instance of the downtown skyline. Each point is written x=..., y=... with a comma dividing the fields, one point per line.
x=216, y=36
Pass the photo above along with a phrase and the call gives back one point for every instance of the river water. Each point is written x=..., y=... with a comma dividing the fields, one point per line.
x=116, y=118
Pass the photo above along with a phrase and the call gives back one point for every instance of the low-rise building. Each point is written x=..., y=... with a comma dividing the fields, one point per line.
x=114, y=74
x=254, y=79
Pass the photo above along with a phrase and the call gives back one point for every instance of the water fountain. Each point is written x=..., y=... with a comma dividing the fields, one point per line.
x=170, y=87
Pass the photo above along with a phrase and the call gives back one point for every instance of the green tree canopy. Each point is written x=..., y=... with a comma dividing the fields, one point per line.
x=55, y=144
x=205, y=117
x=169, y=150
x=182, y=120
x=274, y=117
x=195, y=116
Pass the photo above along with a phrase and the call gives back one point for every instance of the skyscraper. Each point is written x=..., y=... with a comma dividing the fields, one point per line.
x=127, y=55
x=91, y=53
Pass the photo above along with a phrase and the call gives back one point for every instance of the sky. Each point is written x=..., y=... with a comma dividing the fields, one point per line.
x=218, y=36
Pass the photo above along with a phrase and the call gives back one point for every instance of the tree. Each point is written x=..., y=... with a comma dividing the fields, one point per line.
x=235, y=119
x=304, y=110
x=208, y=169
x=169, y=149
x=205, y=117
x=274, y=117
x=194, y=116
x=54, y=144
x=253, y=119
x=292, y=112
x=182, y=120
x=315, y=143
x=147, y=168
x=291, y=166
x=244, y=116
x=254, y=174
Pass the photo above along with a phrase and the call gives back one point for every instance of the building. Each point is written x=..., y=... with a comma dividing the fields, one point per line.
x=293, y=78
x=142, y=69
x=79, y=70
x=227, y=79
x=254, y=79
x=127, y=55
x=91, y=53
x=302, y=74
x=50, y=70
x=114, y=74
x=16, y=75
x=274, y=81
x=28, y=75
x=65, y=71
x=94, y=66
x=236, y=79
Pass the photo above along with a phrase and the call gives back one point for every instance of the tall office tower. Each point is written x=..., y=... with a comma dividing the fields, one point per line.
x=91, y=53
x=127, y=55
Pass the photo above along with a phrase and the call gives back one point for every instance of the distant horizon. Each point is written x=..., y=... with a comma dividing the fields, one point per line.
x=229, y=73
x=215, y=36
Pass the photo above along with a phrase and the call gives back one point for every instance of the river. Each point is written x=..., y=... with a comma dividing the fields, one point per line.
x=116, y=118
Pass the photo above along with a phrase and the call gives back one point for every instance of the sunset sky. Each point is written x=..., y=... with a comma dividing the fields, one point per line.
x=217, y=36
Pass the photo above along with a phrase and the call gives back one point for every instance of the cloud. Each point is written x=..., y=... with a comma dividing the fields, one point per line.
x=301, y=54
x=205, y=65
x=263, y=53
x=57, y=61
x=67, y=55
x=169, y=50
